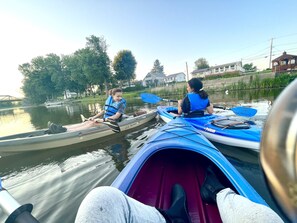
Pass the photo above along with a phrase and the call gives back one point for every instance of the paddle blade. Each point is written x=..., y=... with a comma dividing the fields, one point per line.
x=244, y=111
x=150, y=98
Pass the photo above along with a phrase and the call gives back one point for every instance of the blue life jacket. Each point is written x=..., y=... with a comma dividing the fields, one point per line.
x=197, y=103
x=111, y=108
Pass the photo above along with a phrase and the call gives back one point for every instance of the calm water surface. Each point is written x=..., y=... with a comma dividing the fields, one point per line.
x=55, y=181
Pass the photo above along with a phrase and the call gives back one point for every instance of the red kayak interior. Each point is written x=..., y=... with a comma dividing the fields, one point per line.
x=165, y=168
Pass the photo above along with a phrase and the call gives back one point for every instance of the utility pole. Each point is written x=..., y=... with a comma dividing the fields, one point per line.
x=270, y=52
x=187, y=71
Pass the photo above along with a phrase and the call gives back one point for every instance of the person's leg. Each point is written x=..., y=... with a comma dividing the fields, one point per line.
x=81, y=126
x=236, y=208
x=108, y=204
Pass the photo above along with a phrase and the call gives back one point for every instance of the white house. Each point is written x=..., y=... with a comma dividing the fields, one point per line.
x=178, y=77
x=153, y=79
x=68, y=94
x=218, y=69
x=229, y=67
x=201, y=73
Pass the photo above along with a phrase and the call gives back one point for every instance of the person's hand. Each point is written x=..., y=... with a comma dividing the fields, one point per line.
x=179, y=103
x=91, y=118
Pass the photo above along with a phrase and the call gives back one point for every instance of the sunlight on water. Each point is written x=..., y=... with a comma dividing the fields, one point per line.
x=15, y=121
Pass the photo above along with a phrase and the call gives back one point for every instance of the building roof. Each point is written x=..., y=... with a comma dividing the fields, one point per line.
x=155, y=75
x=200, y=70
x=226, y=64
x=285, y=56
x=174, y=75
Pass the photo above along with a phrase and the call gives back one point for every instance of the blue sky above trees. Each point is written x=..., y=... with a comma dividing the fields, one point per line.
x=172, y=31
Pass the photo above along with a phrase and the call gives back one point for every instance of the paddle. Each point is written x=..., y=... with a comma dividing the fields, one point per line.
x=240, y=110
x=153, y=99
x=110, y=123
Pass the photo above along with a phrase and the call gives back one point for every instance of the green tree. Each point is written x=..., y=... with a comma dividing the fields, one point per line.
x=124, y=65
x=201, y=63
x=75, y=79
x=53, y=64
x=37, y=84
x=99, y=63
x=157, y=67
x=249, y=67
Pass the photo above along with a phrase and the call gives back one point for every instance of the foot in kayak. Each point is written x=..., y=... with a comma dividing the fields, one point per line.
x=210, y=187
x=178, y=210
x=83, y=118
x=54, y=128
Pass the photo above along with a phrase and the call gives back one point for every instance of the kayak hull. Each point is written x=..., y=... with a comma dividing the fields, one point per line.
x=179, y=153
x=39, y=140
x=244, y=138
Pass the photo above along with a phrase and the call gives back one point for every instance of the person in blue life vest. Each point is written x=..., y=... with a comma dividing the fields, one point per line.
x=196, y=101
x=112, y=113
x=114, y=107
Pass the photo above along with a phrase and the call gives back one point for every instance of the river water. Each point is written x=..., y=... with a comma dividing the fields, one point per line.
x=55, y=181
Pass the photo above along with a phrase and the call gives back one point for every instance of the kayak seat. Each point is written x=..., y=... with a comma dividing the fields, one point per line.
x=164, y=169
x=230, y=124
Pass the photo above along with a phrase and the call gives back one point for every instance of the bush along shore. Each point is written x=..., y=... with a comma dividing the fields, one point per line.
x=257, y=81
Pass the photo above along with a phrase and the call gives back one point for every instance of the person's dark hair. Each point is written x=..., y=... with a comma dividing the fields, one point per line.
x=114, y=91
x=197, y=85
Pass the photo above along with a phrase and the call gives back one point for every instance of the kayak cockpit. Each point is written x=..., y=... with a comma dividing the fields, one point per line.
x=165, y=168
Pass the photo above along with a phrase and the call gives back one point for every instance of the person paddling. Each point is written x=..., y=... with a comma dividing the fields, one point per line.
x=112, y=113
x=196, y=101
x=114, y=107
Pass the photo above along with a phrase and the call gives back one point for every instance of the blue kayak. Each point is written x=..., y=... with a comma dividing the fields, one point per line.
x=179, y=153
x=220, y=129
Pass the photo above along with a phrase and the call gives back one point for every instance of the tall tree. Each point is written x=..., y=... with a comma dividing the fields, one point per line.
x=38, y=84
x=52, y=63
x=157, y=67
x=75, y=79
x=249, y=67
x=124, y=65
x=101, y=68
x=201, y=63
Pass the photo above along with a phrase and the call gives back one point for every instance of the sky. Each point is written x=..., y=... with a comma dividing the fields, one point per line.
x=176, y=32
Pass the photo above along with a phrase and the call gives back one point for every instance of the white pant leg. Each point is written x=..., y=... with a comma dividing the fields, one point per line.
x=108, y=204
x=236, y=208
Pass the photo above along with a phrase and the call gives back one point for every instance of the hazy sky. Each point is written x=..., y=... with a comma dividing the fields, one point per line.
x=175, y=32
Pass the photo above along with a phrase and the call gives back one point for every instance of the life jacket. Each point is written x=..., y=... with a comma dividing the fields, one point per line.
x=197, y=103
x=111, y=108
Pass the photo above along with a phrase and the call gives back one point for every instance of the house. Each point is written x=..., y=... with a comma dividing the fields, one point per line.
x=285, y=62
x=218, y=69
x=178, y=77
x=229, y=67
x=68, y=94
x=201, y=73
x=153, y=78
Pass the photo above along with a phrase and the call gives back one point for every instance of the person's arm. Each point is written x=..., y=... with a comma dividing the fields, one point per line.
x=115, y=116
x=179, y=107
x=209, y=109
x=97, y=116
x=119, y=113
x=184, y=106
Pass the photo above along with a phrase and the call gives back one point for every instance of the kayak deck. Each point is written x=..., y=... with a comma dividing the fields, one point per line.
x=165, y=168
